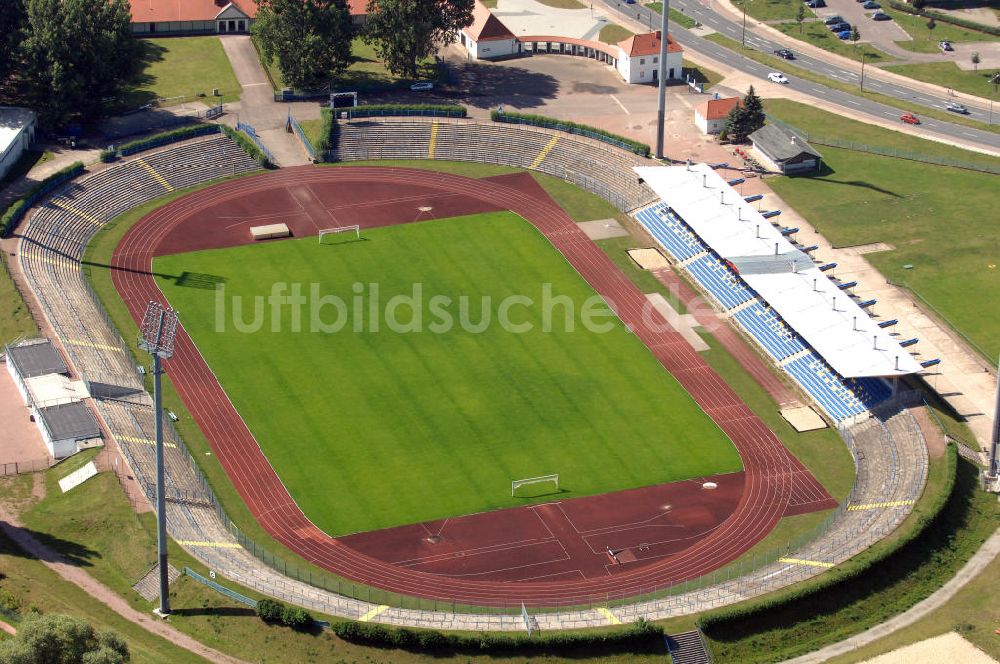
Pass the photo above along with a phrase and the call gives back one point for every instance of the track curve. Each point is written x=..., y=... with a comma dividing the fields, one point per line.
x=769, y=469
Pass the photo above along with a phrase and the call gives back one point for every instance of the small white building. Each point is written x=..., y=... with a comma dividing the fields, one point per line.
x=783, y=150
x=639, y=59
x=17, y=133
x=710, y=116
x=487, y=37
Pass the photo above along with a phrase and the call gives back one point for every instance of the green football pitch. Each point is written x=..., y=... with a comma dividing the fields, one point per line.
x=376, y=428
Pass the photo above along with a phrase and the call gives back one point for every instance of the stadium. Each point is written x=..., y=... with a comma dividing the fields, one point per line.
x=397, y=463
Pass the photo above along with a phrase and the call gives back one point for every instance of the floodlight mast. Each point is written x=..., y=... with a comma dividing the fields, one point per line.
x=159, y=325
x=661, y=102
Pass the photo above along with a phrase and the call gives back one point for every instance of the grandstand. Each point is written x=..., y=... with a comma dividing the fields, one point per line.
x=732, y=254
x=587, y=163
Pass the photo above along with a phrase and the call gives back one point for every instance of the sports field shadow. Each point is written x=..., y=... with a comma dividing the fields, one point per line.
x=199, y=280
x=542, y=494
x=220, y=611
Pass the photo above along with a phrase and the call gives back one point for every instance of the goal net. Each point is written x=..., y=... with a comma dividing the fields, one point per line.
x=545, y=484
x=339, y=234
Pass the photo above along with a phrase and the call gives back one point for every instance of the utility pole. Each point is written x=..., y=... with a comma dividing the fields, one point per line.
x=664, y=23
x=743, y=5
x=156, y=337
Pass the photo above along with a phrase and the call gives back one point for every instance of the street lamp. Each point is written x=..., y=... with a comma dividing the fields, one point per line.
x=156, y=337
x=743, y=5
x=995, y=81
x=862, y=70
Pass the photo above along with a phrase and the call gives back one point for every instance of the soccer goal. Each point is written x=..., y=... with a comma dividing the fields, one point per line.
x=549, y=480
x=333, y=235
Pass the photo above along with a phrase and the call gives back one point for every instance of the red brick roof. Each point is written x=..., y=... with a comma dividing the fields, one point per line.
x=357, y=7
x=485, y=26
x=648, y=44
x=716, y=109
x=158, y=11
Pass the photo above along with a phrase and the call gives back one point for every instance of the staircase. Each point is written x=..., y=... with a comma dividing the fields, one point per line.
x=688, y=648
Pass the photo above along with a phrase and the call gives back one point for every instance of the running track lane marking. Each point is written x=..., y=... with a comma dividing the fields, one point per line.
x=217, y=545
x=810, y=563
x=610, y=616
x=434, y=137
x=544, y=153
x=79, y=213
x=875, y=506
x=152, y=171
x=374, y=612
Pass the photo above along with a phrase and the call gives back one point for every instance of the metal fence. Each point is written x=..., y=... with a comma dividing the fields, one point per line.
x=251, y=133
x=232, y=594
x=361, y=112
x=306, y=143
x=22, y=467
x=887, y=152
x=571, y=129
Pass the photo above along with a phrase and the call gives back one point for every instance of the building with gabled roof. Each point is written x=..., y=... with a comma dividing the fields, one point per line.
x=487, y=37
x=154, y=17
x=639, y=58
x=710, y=116
x=784, y=150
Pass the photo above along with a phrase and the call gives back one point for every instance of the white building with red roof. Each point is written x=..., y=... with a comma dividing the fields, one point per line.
x=153, y=17
x=487, y=37
x=639, y=60
x=710, y=116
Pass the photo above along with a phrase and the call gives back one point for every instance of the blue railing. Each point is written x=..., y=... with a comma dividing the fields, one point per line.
x=302, y=137
x=232, y=594
x=251, y=133
x=361, y=112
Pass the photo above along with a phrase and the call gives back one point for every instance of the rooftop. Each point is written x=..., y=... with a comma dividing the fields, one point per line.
x=12, y=121
x=71, y=420
x=781, y=143
x=716, y=109
x=485, y=26
x=37, y=359
x=648, y=44
x=158, y=11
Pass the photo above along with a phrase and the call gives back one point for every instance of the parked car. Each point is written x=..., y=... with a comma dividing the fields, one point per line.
x=955, y=107
x=785, y=53
x=777, y=77
x=881, y=16
x=830, y=20
x=844, y=35
x=871, y=4
x=422, y=86
x=946, y=46
x=816, y=4
x=909, y=118
x=839, y=27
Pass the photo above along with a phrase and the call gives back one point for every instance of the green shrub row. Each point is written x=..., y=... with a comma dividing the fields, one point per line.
x=13, y=214
x=573, y=128
x=323, y=144
x=807, y=598
x=945, y=18
x=296, y=617
x=637, y=634
x=425, y=110
x=248, y=146
x=165, y=138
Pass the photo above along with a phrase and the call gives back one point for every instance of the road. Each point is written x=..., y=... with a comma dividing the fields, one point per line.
x=734, y=30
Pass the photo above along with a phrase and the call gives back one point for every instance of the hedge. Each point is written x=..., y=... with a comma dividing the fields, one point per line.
x=16, y=211
x=167, y=137
x=945, y=18
x=636, y=634
x=425, y=110
x=270, y=610
x=573, y=128
x=809, y=598
x=323, y=144
x=248, y=146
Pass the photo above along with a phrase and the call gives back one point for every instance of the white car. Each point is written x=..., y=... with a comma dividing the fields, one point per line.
x=422, y=86
x=777, y=77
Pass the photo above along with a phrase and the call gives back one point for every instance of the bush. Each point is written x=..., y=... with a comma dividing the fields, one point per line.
x=323, y=144
x=296, y=617
x=13, y=214
x=167, y=137
x=384, y=110
x=573, y=128
x=108, y=156
x=248, y=146
x=638, y=634
x=270, y=610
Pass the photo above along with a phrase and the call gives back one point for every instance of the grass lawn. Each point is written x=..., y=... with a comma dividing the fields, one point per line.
x=799, y=72
x=819, y=35
x=15, y=319
x=440, y=423
x=612, y=33
x=926, y=41
x=948, y=75
x=185, y=66
x=701, y=74
x=941, y=220
x=771, y=10
x=676, y=16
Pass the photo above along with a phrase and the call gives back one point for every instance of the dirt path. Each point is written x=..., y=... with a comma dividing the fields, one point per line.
x=11, y=526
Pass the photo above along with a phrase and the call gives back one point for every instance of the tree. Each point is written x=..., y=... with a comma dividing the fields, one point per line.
x=403, y=32
x=310, y=39
x=855, y=36
x=800, y=15
x=931, y=24
x=76, y=56
x=56, y=639
x=12, y=20
x=745, y=118
x=975, y=61
x=919, y=5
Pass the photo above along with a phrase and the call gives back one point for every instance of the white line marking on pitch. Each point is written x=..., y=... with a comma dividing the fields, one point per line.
x=627, y=112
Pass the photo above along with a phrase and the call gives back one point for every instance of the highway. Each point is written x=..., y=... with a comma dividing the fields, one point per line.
x=734, y=30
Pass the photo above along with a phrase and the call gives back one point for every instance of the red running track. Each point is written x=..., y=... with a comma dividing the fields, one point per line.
x=771, y=475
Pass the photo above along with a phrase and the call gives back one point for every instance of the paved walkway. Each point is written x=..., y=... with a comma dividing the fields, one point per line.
x=976, y=564
x=257, y=106
x=11, y=527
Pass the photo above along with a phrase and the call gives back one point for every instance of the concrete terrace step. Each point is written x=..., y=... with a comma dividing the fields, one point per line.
x=688, y=648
